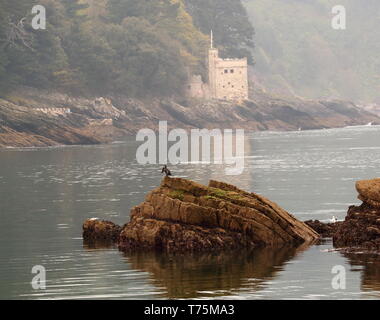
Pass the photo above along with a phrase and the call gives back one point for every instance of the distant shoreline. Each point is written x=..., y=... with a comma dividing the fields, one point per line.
x=132, y=136
x=101, y=120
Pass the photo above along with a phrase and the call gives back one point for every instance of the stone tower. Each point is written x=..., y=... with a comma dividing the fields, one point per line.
x=213, y=56
x=228, y=78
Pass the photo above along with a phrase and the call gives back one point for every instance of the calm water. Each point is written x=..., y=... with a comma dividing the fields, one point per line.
x=46, y=194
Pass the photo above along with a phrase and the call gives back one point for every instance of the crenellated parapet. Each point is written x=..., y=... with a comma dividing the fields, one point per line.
x=228, y=79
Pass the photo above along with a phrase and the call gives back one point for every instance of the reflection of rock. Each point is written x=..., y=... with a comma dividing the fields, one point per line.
x=371, y=269
x=182, y=215
x=361, y=227
x=212, y=274
x=96, y=244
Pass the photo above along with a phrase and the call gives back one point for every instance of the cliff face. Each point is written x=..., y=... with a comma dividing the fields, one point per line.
x=100, y=120
x=182, y=215
x=24, y=127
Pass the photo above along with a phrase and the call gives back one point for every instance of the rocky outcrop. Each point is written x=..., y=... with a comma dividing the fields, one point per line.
x=325, y=230
x=94, y=229
x=369, y=192
x=182, y=215
x=104, y=106
x=361, y=228
x=101, y=120
x=24, y=127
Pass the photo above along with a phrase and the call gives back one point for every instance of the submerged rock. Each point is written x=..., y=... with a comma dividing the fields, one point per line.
x=361, y=227
x=182, y=215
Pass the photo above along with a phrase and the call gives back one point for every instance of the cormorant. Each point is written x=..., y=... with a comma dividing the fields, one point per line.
x=166, y=171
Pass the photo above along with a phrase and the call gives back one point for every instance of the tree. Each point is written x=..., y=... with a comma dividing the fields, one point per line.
x=147, y=63
x=233, y=32
x=130, y=47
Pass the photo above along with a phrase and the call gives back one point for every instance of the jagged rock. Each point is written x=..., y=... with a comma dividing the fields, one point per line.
x=326, y=230
x=182, y=215
x=94, y=229
x=22, y=126
x=361, y=227
x=105, y=107
x=369, y=192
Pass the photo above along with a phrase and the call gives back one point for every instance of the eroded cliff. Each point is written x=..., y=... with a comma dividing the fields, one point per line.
x=102, y=120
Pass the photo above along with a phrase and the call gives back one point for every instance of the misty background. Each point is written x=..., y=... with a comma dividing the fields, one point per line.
x=297, y=51
x=149, y=48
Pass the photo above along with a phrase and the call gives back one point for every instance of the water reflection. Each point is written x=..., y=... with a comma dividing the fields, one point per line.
x=211, y=274
x=369, y=264
x=46, y=194
x=92, y=245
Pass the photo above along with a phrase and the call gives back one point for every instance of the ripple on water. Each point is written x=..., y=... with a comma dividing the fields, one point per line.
x=49, y=194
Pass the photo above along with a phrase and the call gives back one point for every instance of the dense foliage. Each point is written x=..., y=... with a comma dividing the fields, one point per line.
x=133, y=47
x=232, y=29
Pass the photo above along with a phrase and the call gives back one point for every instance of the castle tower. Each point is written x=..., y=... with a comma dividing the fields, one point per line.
x=213, y=56
x=228, y=78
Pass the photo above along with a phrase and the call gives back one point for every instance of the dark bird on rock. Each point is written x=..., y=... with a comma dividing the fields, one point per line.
x=166, y=171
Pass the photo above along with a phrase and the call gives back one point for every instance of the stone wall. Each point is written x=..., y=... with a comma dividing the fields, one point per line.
x=231, y=79
x=228, y=79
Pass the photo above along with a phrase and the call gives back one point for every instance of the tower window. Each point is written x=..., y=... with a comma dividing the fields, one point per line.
x=225, y=71
x=232, y=70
